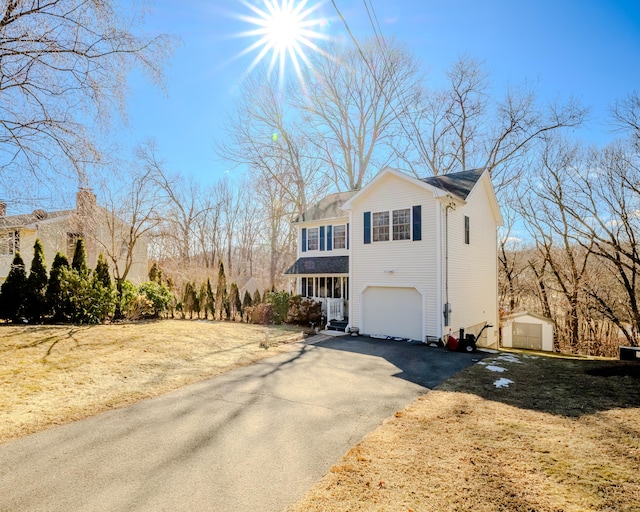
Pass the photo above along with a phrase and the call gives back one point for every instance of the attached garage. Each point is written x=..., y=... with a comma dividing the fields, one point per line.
x=392, y=311
x=528, y=331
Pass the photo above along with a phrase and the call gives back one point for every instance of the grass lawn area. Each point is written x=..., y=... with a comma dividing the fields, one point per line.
x=50, y=375
x=563, y=436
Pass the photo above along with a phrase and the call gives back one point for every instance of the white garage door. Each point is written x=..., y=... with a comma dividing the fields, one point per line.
x=392, y=312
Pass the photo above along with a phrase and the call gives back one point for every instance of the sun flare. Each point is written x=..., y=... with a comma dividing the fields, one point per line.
x=284, y=29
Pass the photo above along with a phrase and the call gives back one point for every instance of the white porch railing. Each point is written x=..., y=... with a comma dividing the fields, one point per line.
x=332, y=309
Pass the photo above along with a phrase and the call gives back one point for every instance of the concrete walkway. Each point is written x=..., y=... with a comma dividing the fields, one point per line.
x=254, y=439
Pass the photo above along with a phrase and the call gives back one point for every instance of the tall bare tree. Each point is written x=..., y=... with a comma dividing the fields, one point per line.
x=460, y=126
x=64, y=63
x=352, y=103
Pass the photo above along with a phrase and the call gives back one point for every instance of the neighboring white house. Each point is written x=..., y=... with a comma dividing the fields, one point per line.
x=527, y=330
x=59, y=231
x=405, y=257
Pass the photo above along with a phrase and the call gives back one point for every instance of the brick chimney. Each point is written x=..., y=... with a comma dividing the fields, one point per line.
x=85, y=202
x=3, y=209
x=86, y=219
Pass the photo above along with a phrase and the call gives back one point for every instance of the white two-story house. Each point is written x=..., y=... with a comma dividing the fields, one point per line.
x=405, y=257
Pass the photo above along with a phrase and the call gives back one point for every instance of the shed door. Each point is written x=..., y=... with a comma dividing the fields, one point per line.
x=527, y=335
x=392, y=312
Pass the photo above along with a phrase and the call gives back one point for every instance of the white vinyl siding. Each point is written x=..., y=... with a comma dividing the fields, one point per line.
x=401, y=265
x=473, y=266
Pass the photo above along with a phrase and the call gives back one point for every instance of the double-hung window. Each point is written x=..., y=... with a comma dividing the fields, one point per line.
x=339, y=237
x=312, y=239
x=402, y=224
x=380, y=226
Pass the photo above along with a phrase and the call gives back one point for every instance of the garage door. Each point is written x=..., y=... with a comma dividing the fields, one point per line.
x=392, y=312
x=527, y=336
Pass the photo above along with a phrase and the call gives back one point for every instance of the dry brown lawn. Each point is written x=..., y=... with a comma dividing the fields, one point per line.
x=564, y=436
x=51, y=375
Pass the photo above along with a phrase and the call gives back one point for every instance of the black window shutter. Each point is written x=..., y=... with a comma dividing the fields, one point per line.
x=322, y=238
x=417, y=222
x=347, y=241
x=367, y=227
x=329, y=238
x=304, y=239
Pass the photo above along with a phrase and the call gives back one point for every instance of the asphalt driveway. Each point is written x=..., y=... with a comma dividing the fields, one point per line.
x=253, y=439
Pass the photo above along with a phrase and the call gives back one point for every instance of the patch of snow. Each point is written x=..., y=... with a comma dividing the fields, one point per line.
x=496, y=368
x=482, y=362
x=488, y=350
x=502, y=383
x=509, y=358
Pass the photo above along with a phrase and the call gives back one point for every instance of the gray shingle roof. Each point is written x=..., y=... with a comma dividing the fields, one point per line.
x=19, y=221
x=327, y=208
x=320, y=265
x=457, y=183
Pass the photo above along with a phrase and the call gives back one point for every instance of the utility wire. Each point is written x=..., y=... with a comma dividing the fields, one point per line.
x=379, y=39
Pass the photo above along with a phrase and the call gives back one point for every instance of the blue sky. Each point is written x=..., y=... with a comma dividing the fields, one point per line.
x=589, y=49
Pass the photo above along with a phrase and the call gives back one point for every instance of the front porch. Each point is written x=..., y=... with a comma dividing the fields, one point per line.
x=326, y=280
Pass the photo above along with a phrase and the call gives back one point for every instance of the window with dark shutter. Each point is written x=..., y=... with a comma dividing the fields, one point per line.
x=322, y=239
x=304, y=239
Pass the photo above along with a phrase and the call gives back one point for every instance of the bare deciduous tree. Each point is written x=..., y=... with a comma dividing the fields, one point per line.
x=352, y=105
x=64, y=63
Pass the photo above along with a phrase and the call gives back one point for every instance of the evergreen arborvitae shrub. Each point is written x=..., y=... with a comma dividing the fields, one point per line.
x=222, y=300
x=210, y=306
x=12, y=291
x=35, y=298
x=235, y=305
x=188, y=299
x=246, y=300
x=102, y=271
x=55, y=299
x=79, y=262
x=202, y=300
x=256, y=298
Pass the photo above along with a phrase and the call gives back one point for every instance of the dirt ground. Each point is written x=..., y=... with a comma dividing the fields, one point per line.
x=561, y=435
x=50, y=375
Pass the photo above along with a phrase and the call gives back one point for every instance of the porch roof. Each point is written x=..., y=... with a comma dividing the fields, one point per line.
x=320, y=265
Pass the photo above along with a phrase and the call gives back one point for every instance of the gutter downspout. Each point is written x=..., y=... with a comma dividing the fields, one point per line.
x=447, y=306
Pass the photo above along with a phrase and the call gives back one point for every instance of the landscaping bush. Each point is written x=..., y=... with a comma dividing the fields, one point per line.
x=261, y=314
x=87, y=300
x=13, y=291
x=280, y=303
x=149, y=300
x=159, y=296
x=303, y=310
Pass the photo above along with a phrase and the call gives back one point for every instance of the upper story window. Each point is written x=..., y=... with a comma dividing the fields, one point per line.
x=402, y=224
x=9, y=243
x=380, y=226
x=340, y=237
x=312, y=239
